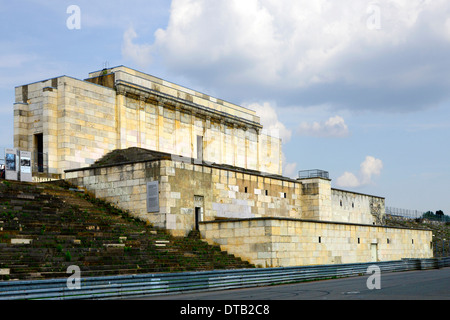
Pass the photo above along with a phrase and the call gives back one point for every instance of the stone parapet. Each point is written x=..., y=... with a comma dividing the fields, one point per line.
x=284, y=242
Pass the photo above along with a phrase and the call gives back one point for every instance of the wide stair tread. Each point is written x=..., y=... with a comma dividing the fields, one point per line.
x=69, y=228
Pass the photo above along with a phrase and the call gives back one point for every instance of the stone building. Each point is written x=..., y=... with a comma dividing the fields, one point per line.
x=69, y=123
x=268, y=220
x=185, y=161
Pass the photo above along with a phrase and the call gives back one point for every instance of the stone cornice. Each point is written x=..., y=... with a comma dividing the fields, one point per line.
x=127, y=88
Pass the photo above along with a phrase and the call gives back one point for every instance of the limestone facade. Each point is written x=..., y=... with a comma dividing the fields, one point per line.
x=79, y=121
x=283, y=242
x=225, y=193
x=267, y=220
x=188, y=161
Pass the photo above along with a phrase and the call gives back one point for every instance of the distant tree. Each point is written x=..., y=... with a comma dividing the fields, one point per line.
x=439, y=215
x=442, y=217
x=428, y=215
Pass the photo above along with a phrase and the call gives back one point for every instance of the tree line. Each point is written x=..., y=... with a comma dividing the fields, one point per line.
x=439, y=216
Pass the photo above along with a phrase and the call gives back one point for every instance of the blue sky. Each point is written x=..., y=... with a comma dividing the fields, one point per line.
x=357, y=88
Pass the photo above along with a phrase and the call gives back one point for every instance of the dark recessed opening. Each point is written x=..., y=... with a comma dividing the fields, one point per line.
x=39, y=147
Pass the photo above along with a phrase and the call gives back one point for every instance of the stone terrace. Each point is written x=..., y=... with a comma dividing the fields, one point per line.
x=44, y=228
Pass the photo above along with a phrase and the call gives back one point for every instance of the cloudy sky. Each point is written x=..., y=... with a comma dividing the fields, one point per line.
x=357, y=88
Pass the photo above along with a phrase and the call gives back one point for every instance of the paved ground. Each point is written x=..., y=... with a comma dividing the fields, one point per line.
x=411, y=285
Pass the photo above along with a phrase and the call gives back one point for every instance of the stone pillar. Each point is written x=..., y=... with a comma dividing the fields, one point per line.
x=222, y=142
x=207, y=136
x=160, y=124
x=316, y=199
x=246, y=147
x=258, y=149
x=193, y=136
x=177, y=148
x=50, y=130
x=120, y=102
x=21, y=133
x=141, y=123
x=234, y=144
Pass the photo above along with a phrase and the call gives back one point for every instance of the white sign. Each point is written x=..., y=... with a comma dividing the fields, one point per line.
x=25, y=164
x=10, y=160
x=153, y=196
x=11, y=166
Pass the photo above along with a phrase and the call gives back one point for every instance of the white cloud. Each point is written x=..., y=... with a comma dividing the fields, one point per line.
x=348, y=180
x=238, y=35
x=333, y=127
x=269, y=120
x=290, y=170
x=274, y=127
x=310, y=52
x=141, y=54
x=369, y=168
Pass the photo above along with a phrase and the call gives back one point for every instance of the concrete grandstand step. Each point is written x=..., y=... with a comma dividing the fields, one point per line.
x=66, y=228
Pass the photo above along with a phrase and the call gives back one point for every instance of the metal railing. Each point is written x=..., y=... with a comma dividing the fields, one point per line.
x=415, y=214
x=441, y=248
x=313, y=174
x=407, y=213
x=133, y=286
x=40, y=162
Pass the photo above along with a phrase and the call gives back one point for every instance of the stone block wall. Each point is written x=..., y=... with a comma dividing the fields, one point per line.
x=86, y=122
x=272, y=242
x=357, y=208
x=316, y=199
x=76, y=118
x=81, y=121
x=258, y=218
x=223, y=193
x=321, y=202
x=123, y=186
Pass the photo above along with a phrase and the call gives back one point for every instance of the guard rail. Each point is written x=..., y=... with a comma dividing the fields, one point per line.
x=139, y=285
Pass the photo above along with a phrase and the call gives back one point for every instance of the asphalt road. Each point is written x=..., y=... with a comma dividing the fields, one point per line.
x=412, y=285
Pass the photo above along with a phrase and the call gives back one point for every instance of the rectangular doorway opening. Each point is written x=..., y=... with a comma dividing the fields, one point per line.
x=39, y=151
x=198, y=217
x=373, y=252
x=198, y=212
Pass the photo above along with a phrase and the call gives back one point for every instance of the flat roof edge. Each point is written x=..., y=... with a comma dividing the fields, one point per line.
x=308, y=221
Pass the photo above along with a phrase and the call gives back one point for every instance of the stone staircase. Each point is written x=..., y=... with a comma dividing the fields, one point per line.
x=46, y=227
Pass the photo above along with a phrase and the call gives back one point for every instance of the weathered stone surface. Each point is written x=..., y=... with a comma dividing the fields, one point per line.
x=292, y=242
x=273, y=222
x=21, y=241
x=82, y=120
x=212, y=161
